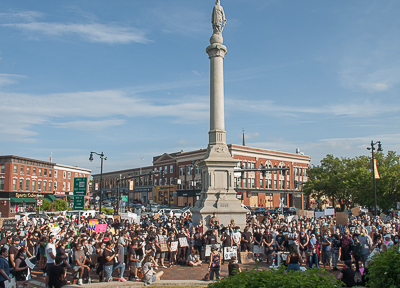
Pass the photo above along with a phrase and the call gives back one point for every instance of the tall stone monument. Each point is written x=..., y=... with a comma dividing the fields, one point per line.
x=218, y=194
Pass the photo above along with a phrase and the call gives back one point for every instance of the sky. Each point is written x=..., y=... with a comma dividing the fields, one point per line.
x=131, y=78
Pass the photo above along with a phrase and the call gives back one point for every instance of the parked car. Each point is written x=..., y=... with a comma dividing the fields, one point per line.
x=260, y=211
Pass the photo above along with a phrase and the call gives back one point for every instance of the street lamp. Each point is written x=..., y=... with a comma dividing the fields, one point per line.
x=372, y=148
x=101, y=173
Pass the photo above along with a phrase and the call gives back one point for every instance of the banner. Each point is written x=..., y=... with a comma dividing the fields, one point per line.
x=342, y=218
x=310, y=214
x=258, y=249
x=230, y=252
x=319, y=214
x=376, y=173
x=329, y=212
x=183, y=242
x=293, y=218
x=92, y=224
x=100, y=228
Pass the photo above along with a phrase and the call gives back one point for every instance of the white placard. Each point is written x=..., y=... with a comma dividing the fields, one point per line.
x=183, y=242
x=258, y=249
x=208, y=249
x=11, y=284
x=329, y=212
x=29, y=263
x=230, y=252
x=174, y=246
x=319, y=214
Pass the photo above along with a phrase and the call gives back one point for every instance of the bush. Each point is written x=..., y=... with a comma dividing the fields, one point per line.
x=107, y=211
x=60, y=205
x=277, y=278
x=384, y=270
x=46, y=205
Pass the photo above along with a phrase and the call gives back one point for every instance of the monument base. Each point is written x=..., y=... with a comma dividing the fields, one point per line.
x=218, y=195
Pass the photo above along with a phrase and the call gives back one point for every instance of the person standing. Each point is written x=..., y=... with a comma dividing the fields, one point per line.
x=51, y=251
x=56, y=274
x=313, y=250
x=215, y=264
x=326, y=254
x=366, y=243
x=4, y=267
x=335, y=251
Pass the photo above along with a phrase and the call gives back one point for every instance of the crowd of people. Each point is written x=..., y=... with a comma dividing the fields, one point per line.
x=62, y=243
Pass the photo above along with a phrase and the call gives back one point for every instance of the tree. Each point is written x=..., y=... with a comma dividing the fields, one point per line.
x=60, y=205
x=46, y=205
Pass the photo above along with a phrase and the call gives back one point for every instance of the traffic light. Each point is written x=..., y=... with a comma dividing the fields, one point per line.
x=264, y=172
x=150, y=179
x=242, y=176
x=284, y=171
x=161, y=173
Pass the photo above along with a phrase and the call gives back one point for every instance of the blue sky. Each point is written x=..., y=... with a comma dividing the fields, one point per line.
x=131, y=78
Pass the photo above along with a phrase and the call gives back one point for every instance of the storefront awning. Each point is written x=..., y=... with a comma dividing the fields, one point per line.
x=70, y=197
x=51, y=197
x=22, y=200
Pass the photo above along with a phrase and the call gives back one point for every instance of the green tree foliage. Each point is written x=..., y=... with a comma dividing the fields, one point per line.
x=60, y=205
x=384, y=270
x=277, y=278
x=46, y=205
x=349, y=180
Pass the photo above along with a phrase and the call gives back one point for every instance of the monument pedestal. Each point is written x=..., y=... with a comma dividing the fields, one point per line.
x=218, y=194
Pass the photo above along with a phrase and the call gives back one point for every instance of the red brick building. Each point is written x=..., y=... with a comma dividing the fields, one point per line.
x=23, y=179
x=181, y=184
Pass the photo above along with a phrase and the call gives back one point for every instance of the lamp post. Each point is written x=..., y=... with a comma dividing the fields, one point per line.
x=101, y=174
x=372, y=148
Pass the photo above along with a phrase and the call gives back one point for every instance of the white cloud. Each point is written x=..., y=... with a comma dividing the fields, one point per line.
x=18, y=16
x=21, y=112
x=92, y=32
x=8, y=79
x=195, y=72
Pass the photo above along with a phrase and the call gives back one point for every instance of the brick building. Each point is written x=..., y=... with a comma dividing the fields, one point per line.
x=181, y=184
x=23, y=179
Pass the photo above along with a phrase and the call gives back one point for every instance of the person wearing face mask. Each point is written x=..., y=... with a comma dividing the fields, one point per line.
x=366, y=243
x=21, y=269
x=109, y=255
x=160, y=252
x=326, y=253
x=51, y=251
x=247, y=239
x=313, y=251
x=303, y=243
x=346, y=244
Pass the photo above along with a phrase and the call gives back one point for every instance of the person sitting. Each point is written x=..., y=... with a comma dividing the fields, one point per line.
x=194, y=259
x=347, y=275
x=149, y=274
x=294, y=259
x=56, y=274
x=233, y=266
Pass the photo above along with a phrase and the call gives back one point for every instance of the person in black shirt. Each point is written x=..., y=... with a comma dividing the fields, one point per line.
x=247, y=239
x=132, y=262
x=233, y=266
x=56, y=274
x=347, y=275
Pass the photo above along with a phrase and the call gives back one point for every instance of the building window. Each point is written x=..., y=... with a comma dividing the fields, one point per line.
x=270, y=167
x=21, y=170
x=69, y=175
x=171, y=180
x=27, y=184
x=166, y=169
x=21, y=184
x=50, y=173
x=34, y=171
x=28, y=170
x=181, y=171
x=64, y=174
x=269, y=184
x=55, y=173
x=252, y=165
x=295, y=171
x=3, y=168
x=64, y=186
x=76, y=175
x=252, y=183
x=45, y=173
x=39, y=185
x=165, y=181
x=244, y=183
x=288, y=171
x=288, y=184
x=274, y=184
x=45, y=186
x=14, y=184
x=155, y=182
x=15, y=169
x=171, y=169
x=280, y=184
x=33, y=185
x=1, y=183
x=49, y=186
x=40, y=172
x=55, y=185
x=69, y=186
x=304, y=172
x=188, y=170
x=275, y=170
x=261, y=182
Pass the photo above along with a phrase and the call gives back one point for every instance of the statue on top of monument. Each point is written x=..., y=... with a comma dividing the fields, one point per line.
x=218, y=19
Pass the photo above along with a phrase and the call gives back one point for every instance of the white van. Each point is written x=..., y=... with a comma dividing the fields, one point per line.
x=85, y=213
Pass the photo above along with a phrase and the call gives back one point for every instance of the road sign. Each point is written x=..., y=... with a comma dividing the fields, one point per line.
x=79, y=202
x=124, y=198
x=80, y=186
x=123, y=204
x=39, y=202
x=97, y=198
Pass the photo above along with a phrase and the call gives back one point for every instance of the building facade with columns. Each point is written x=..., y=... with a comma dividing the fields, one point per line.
x=181, y=184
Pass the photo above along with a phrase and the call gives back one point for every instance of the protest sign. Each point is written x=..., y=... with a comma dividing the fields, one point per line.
x=342, y=218
x=356, y=211
x=246, y=257
x=260, y=218
x=281, y=217
x=100, y=228
x=92, y=224
x=319, y=214
x=258, y=249
x=293, y=218
x=310, y=214
x=10, y=225
x=229, y=252
x=156, y=216
x=207, y=251
x=341, y=228
x=329, y=212
x=183, y=242
x=300, y=212
x=174, y=246
x=164, y=247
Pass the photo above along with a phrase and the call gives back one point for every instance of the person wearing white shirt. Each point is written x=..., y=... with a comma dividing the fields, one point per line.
x=50, y=252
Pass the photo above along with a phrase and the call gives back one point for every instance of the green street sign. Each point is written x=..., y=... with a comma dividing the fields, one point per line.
x=79, y=202
x=124, y=198
x=80, y=186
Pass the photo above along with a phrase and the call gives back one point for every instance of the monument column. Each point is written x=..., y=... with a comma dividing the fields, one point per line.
x=218, y=194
